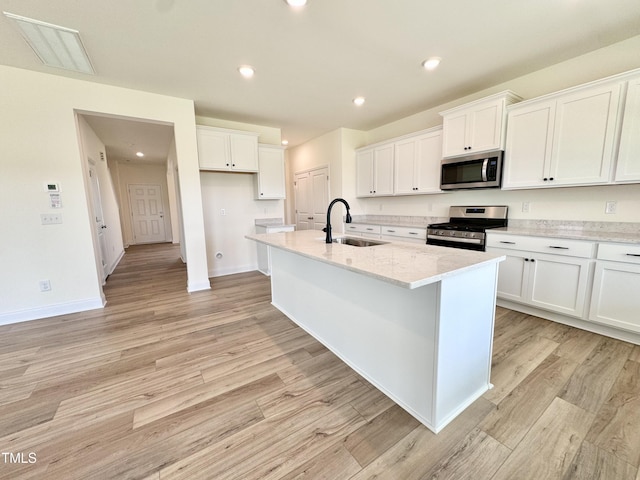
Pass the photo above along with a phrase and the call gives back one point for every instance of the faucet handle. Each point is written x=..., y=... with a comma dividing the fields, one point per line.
x=324, y=229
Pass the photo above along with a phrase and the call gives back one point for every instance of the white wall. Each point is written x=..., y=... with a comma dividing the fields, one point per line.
x=135, y=173
x=233, y=192
x=40, y=143
x=578, y=203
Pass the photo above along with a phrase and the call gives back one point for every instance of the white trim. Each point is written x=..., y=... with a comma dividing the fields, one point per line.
x=220, y=272
x=51, y=310
x=198, y=286
x=590, y=326
x=113, y=266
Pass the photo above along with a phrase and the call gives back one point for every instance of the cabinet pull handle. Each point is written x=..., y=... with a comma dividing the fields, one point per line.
x=559, y=248
x=370, y=229
x=413, y=233
x=309, y=218
x=633, y=254
x=393, y=231
x=508, y=243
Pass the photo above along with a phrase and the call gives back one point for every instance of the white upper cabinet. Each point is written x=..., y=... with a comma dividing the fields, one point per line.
x=374, y=171
x=477, y=126
x=584, y=136
x=528, y=146
x=564, y=139
x=227, y=150
x=417, y=164
x=628, y=168
x=270, y=180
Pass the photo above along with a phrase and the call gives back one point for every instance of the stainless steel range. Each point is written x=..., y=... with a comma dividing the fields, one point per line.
x=466, y=227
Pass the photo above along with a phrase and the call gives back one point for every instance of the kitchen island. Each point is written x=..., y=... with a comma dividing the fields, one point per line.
x=414, y=320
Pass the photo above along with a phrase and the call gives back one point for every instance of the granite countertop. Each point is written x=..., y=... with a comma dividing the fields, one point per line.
x=271, y=222
x=403, y=264
x=617, y=232
x=572, y=234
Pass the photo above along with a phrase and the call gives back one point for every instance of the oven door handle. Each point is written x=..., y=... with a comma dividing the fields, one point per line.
x=485, y=163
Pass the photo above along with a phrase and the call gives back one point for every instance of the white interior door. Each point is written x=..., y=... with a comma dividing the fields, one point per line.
x=320, y=182
x=312, y=199
x=304, y=215
x=99, y=220
x=147, y=215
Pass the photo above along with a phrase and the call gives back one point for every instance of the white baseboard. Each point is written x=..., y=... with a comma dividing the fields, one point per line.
x=51, y=310
x=113, y=266
x=198, y=286
x=220, y=272
x=588, y=325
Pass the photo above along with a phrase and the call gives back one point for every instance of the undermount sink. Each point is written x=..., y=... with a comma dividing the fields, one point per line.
x=358, y=242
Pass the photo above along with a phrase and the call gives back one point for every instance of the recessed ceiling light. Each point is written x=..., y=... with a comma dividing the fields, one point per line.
x=247, y=71
x=55, y=46
x=285, y=142
x=358, y=101
x=431, y=63
x=296, y=3
x=139, y=154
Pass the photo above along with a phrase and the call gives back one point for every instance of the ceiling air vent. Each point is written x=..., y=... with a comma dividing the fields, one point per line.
x=56, y=46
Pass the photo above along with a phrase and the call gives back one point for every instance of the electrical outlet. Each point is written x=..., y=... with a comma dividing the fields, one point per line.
x=50, y=218
x=525, y=207
x=611, y=207
x=45, y=285
x=223, y=211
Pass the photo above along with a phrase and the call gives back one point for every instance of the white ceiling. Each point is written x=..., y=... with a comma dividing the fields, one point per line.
x=310, y=63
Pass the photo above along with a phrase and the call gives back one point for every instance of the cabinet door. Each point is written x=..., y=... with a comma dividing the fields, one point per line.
x=559, y=283
x=485, y=127
x=427, y=166
x=615, y=300
x=364, y=174
x=528, y=150
x=454, y=134
x=583, y=137
x=383, y=170
x=213, y=149
x=244, y=153
x=406, y=153
x=628, y=168
x=271, y=184
x=512, y=275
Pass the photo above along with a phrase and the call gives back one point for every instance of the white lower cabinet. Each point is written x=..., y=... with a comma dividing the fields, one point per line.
x=550, y=274
x=615, y=300
x=362, y=230
x=404, y=234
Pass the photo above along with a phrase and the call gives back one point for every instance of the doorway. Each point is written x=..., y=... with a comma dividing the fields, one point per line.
x=99, y=224
x=311, y=190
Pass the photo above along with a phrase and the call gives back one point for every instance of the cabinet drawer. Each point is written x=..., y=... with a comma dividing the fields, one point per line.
x=362, y=228
x=408, y=232
x=554, y=246
x=619, y=252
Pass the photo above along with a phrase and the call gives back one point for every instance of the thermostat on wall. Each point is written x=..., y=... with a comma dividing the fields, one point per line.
x=52, y=187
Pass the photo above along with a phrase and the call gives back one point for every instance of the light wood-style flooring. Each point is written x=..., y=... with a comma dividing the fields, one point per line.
x=162, y=384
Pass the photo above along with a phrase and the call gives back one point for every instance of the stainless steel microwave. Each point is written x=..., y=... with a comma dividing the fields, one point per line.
x=481, y=170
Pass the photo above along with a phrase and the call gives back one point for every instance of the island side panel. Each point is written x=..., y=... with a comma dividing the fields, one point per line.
x=384, y=332
x=467, y=314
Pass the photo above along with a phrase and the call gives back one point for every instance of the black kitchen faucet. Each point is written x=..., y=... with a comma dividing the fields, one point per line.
x=327, y=229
